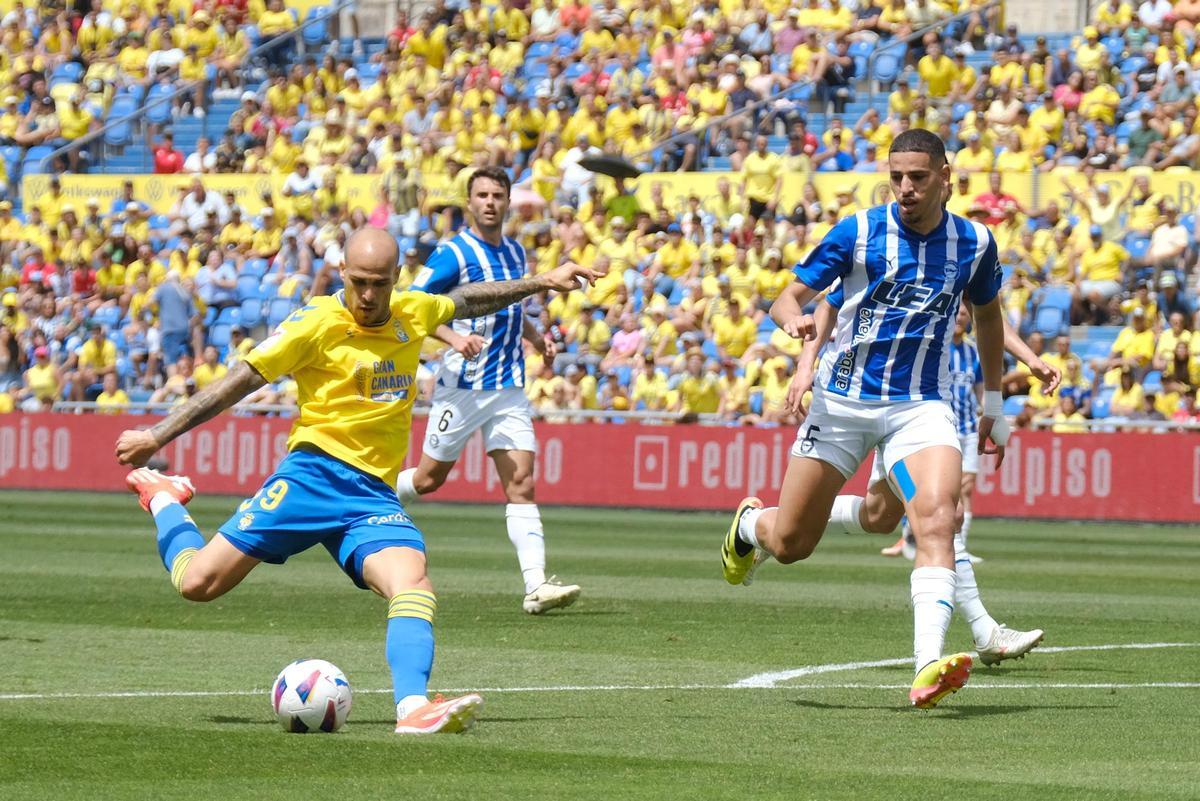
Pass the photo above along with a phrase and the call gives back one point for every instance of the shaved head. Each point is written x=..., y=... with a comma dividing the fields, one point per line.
x=369, y=273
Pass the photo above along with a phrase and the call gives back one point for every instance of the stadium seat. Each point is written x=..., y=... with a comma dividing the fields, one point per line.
x=1015, y=404
x=1050, y=321
x=1152, y=382
x=67, y=72
x=278, y=310
x=1058, y=297
x=158, y=110
x=887, y=66
x=251, y=312
x=255, y=267
x=316, y=29
x=1137, y=246
x=249, y=287
x=230, y=315
x=218, y=335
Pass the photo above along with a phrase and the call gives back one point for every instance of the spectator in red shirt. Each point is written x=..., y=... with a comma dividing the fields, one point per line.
x=37, y=270
x=994, y=200
x=675, y=99
x=83, y=279
x=595, y=76
x=574, y=11
x=402, y=30
x=167, y=160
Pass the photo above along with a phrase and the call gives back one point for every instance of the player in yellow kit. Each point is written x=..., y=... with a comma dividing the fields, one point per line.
x=354, y=358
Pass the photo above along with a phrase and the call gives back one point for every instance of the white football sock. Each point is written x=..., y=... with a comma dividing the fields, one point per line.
x=966, y=529
x=160, y=501
x=966, y=595
x=932, y=595
x=846, y=513
x=409, y=704
x=525, y=532
x=747, y=531
x=405, y=490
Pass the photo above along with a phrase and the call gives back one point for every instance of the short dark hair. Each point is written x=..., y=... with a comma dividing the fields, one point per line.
x=497, y=174
x=918, y=140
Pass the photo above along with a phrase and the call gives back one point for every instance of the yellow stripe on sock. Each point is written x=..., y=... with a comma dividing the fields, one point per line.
x=180, y=565
x=413, y=603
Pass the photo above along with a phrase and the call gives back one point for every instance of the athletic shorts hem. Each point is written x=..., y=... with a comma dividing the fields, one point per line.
x=354, y=564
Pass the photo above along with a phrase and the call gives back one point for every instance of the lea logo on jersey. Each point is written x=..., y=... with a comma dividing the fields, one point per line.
x=914, y=297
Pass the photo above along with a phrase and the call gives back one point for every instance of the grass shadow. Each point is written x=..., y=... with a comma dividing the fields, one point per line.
x=952, y=712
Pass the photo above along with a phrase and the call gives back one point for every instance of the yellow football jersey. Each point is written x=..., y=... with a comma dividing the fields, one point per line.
x=356, y=384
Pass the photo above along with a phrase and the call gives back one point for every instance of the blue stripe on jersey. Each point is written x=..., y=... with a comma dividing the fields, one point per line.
x=965, y=375
x=898, y=293
x=502, y=362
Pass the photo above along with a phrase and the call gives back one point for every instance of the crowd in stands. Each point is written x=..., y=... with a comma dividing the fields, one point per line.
x=113, y=303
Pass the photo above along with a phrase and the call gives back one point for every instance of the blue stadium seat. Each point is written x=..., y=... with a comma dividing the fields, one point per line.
x=218, y=335
x=255, y=267
x=251, y=312
x=158, y=112
x=1058, y=297
x=249, y=287
x=68, y=72
x=1137, y=246
x=1153, y=382
x=1050, y=321
x=278, y=310
x=887, y=66
x=230, y=315
x=1015, y=404
x=316, y=31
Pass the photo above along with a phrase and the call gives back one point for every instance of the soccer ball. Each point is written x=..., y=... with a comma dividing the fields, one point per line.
x=311, y=695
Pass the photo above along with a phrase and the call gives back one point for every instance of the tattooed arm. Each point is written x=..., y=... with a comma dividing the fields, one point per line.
x=136, y=447
x=485, y=297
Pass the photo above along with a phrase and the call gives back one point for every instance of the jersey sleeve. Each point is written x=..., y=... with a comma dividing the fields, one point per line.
x=290, y=346
x=440, y=273
x=985, y=283
x=429, y=310
x=832, y=259
x=837, y=295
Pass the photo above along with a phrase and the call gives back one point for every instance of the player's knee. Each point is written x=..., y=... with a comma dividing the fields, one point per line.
x=520, y=488
x=425, y=484
x=198, y=587
x=880, y=521
x=936, y=521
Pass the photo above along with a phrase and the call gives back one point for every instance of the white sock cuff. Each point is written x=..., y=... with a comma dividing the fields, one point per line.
x=933, y=573
x=524, y=511
x=405, y=490
x=847, y=511
x=160, y=501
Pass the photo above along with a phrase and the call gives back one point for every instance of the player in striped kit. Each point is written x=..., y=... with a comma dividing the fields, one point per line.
x=900, y=270
x=881, y=509
x=480, y=385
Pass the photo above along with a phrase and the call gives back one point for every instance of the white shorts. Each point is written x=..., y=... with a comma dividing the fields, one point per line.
x=504, y=415
x=843, y=432
x=970, y=451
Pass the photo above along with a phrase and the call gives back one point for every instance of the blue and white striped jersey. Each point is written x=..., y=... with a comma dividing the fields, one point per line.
x=966, y=374
x=467, y=259
x=897, y=293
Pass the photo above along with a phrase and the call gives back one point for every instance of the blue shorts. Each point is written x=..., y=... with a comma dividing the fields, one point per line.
x=314, y=498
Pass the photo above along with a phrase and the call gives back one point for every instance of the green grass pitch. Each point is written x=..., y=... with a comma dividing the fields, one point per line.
x=641, y=663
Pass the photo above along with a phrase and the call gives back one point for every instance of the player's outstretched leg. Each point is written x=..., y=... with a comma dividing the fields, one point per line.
x=164, y=497
x=994, y=641
x=788, y=532
x=398, y=574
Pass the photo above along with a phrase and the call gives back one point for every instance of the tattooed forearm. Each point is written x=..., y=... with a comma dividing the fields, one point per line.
x=485, y=297
x=241, y=380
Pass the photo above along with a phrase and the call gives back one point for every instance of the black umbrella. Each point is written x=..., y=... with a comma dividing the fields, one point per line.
x=608, y=164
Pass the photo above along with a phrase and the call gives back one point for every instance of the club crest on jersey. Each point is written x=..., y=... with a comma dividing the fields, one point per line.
x=401, y=334
x=246, y=521
x=950, y=271
x=913, y=297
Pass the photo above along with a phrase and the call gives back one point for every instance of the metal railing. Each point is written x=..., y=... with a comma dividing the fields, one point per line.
x=1106, y=425
x=280, y=410
x=916, y=35
x=132, y=119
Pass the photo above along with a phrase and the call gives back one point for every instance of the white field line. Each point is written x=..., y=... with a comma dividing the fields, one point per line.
x=762, y=681
x=770, y=679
